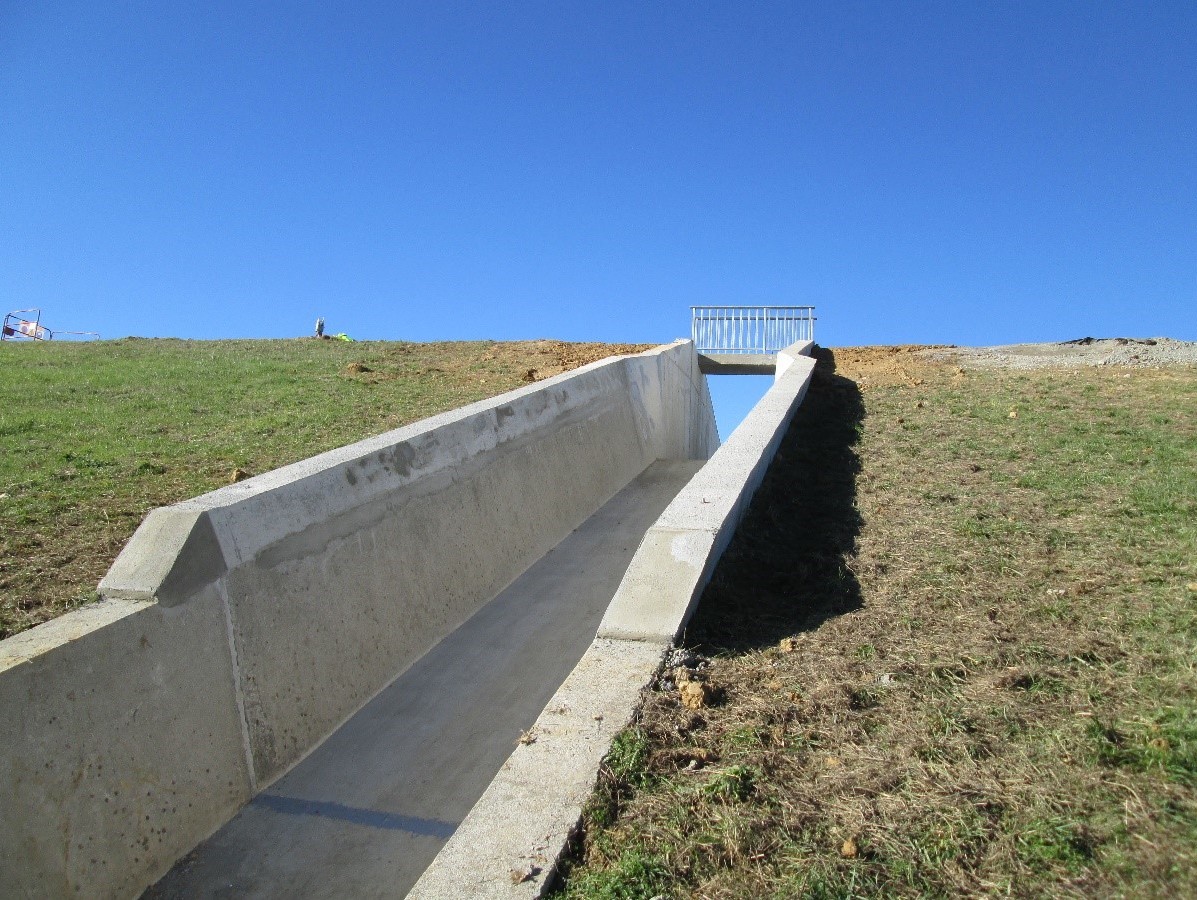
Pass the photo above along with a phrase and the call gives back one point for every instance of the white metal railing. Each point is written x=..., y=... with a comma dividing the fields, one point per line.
x=750, y=329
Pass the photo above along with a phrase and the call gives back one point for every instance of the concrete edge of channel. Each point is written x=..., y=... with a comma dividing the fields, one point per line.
x=511, y=842
x=180, y=546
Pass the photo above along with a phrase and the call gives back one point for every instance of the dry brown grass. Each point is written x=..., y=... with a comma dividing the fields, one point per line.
x=954, y=648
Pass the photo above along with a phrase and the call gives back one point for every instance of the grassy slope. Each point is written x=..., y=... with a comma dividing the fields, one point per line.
x=95, y=435
x=954, y=641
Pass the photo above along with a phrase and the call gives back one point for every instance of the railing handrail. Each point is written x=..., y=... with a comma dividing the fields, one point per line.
x=753, y=307
x=750, y=329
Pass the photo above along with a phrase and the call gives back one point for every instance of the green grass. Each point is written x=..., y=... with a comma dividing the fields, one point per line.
x=631, y=877
x=96, y=434
x=957, y=654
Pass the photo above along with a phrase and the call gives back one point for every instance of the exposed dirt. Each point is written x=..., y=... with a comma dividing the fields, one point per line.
x=556, y=357
x=908, y=364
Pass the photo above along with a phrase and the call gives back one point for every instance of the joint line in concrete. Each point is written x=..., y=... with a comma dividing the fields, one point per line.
x=235, y=662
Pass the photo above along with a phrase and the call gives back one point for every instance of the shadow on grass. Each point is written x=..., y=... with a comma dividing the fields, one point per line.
x=786, y=569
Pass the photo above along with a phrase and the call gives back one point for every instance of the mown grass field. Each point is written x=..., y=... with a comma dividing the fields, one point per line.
x=953, y=651
x=94, y=435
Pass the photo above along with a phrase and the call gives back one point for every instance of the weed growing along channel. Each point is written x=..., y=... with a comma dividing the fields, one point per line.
x=953, y=642
x=95, y=435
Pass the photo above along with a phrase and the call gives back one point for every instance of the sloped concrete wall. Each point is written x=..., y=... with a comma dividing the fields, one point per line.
x=121, y=738
x=240, y=628
x=532, y=808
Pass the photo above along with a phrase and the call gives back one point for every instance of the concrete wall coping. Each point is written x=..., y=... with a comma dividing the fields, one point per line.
x=48, y=636
x=787, y=357
x=181, y=547
x=269, y=481
x=510, y=844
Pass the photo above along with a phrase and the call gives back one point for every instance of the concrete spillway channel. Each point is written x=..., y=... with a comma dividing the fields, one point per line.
x=315, y=682
x=365, y=814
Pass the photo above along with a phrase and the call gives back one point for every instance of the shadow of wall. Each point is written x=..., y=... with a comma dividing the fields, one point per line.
x=787, y=569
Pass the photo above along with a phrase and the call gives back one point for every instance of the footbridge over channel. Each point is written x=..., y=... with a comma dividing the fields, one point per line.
x=314, y=683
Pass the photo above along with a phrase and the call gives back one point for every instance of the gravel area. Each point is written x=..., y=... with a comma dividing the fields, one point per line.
x=1133, y=352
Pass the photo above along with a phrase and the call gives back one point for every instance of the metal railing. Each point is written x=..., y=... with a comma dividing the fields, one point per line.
x=26, y=325
x=750, y=329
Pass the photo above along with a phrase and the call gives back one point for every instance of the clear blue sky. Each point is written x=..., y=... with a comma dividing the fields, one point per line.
x=970, y=173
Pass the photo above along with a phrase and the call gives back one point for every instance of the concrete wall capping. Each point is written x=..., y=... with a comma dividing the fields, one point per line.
x=511, y=842
x=216, y=660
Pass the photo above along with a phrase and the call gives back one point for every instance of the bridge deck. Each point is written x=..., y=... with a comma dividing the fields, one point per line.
x=737, y=363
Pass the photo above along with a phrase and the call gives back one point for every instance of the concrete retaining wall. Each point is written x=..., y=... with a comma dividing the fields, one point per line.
x=678, y=555
x=509, y=845
x=240, y=628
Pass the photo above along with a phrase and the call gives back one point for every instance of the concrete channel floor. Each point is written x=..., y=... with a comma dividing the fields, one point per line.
x=365, y=813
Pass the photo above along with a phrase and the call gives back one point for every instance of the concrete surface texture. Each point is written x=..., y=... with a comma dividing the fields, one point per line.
x=511, y=841
x=509, y=844
x=674, y=564
x=241, y=628
x=120, y=732
x=366, y=812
